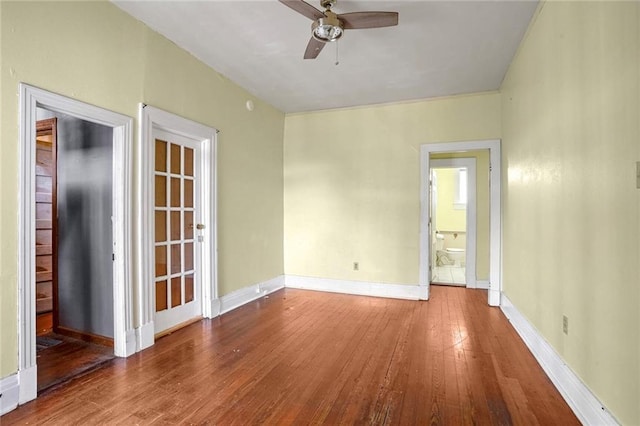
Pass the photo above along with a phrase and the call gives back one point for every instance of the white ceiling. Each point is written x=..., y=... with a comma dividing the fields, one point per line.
x=439, y=48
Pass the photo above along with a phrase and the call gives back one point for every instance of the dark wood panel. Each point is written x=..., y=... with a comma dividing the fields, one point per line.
x=44, y=276
x=44, y=237
x=44, y=224
x=43, y=289
x=302, y=357
x=44, y=304
x=44, y=324
x=44, y=184
x=45, y=214
x=42, y=197
x=42, y=250
x=43, y=211
x=44, y=263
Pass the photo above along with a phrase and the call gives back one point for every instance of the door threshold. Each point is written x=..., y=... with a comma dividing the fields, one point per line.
x=177, y=327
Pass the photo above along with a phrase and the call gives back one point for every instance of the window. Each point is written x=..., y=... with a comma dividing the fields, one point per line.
x=460, y=198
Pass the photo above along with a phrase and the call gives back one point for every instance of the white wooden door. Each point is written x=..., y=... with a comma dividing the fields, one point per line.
x=177, y=217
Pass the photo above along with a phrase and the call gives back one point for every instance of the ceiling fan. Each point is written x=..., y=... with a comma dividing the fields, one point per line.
x=328, y=26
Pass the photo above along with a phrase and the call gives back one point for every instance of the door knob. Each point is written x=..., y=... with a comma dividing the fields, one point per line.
x=200, y=226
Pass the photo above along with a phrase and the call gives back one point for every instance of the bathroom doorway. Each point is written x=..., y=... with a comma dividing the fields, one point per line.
x=453, y=221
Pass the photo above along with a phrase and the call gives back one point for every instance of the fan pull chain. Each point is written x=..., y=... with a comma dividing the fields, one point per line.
x=337, y=59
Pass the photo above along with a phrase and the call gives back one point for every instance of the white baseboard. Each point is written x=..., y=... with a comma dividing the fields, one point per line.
x=145, y=336
x=582, y=401
x=132, y=342
x=28, y=384
x=215, y=308
x=361, y=288
x=9, y=393
x=483, y=285
x=245, y=295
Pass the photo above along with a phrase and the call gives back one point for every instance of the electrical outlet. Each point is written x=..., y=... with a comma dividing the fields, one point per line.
x=565, y=324
x=356, y=266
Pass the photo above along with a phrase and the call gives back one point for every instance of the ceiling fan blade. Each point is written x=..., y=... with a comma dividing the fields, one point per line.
x=313, y=49
x=357, y=20
x=303, y=8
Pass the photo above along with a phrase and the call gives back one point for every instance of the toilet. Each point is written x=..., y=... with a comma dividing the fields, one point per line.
x=449, y=256
x=456, y=255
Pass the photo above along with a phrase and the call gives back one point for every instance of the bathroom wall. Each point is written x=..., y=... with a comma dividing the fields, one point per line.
x=448, y=218
x=85, y=236
x=455, y=240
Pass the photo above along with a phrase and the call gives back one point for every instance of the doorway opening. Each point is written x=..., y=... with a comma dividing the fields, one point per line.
x=428, y=154
x=453, y=221
x=73, y=246
x=75, y=229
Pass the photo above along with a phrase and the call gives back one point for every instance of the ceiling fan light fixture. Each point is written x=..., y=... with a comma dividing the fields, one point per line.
x=327, y=29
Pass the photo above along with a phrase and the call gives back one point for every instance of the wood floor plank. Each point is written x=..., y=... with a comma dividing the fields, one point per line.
x=303, y=357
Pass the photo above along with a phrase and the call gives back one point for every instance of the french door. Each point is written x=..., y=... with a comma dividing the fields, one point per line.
x=177, y=230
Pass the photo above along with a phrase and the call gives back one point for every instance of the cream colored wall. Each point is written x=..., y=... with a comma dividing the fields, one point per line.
x=448, y=218
x=483, y=210
x=571, y=108
x=352, y=183
x=96, y=53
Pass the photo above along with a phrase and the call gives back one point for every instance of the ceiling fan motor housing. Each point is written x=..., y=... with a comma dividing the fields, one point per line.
x=327, y=29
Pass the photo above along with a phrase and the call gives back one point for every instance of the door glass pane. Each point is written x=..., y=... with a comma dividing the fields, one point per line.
x=161, y=191
x=161, y=226
x=175, y=192
x=188, y=288
x=161, y=156
x=175, y=226
x=161, y=295
x=176, y=292
x=175, y=158
x=188, y=257
x=188, y=193
x=161, y=261
x=188, y=161
x=188, y=225
x=176, y=264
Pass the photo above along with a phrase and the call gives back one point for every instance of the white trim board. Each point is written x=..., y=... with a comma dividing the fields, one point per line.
x=359, y=288
x=582, y=401
x=495, y=238
x=9, y=393
x=240, y=297
x=32, y=98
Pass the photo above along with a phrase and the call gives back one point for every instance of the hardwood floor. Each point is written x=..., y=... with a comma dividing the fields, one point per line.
x=65, y=358
x=308, y=357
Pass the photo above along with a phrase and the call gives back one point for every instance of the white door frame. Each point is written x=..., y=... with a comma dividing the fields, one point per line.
x=151, y=118
x=123, y=334
x=495, y=222
x=471, y=241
